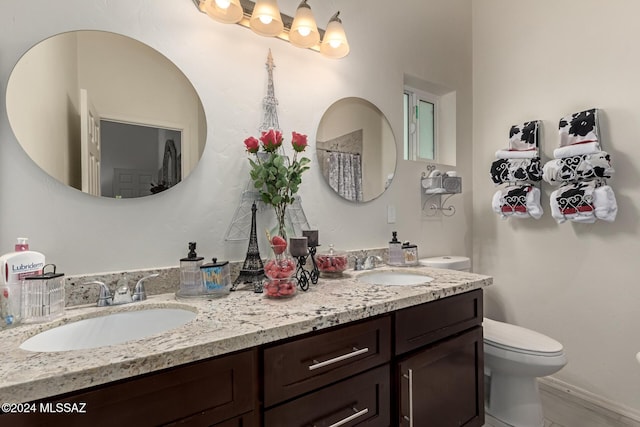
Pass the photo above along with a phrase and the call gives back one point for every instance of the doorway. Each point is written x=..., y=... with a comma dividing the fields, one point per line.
x=138, y=159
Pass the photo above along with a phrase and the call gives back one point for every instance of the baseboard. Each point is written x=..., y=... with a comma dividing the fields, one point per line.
x=572, y=406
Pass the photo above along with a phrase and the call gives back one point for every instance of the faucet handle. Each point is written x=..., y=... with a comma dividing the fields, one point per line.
x=359, y=259
x=139, y=293
x=105, y=298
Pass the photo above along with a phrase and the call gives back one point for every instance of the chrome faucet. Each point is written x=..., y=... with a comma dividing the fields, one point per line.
x=366, y=262
x=139, y=293
x=122, y=294
x=371, y=261
x=105, y=298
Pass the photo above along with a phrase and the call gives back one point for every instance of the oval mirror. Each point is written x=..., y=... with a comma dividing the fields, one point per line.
x=106, y=114
x=356, y=149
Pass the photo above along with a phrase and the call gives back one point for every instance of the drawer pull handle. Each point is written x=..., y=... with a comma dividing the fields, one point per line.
x=354, y=353
x=409, y=376
x=349, y=418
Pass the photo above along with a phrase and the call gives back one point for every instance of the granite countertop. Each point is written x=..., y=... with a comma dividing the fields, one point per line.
x=238, y=321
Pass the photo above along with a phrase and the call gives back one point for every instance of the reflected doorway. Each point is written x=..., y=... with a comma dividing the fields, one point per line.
x=138, y=160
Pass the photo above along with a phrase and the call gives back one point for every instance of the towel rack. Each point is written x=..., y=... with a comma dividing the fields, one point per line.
x=436, y=189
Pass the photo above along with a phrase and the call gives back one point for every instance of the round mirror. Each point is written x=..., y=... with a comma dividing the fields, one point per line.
x=356, y=149
x=106, y=114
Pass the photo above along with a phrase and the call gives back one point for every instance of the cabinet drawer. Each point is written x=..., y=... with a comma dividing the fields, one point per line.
x=307, y=364
x=216, y=389
x=426, y=323
x=249, y=419
x=363, y=400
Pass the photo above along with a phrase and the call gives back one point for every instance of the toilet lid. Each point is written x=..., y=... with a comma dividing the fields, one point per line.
x=447, y=262
x=518, y=338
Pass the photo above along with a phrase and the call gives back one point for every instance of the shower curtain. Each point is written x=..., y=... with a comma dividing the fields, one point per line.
x=345, y=175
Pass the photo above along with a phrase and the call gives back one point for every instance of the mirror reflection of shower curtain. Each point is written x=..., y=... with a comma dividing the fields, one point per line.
x=169, y=164
x=345, y=175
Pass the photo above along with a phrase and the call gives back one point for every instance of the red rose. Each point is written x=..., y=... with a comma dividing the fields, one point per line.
x=271, y=140
x=252, y=144
x=298, y=141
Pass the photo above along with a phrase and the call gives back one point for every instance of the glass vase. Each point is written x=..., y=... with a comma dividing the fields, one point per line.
x=280, y=270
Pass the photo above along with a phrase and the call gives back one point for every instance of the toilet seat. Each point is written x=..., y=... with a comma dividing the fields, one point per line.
x=518, y=339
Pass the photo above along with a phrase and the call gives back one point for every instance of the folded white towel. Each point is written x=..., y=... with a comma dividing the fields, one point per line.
x=604, y=202
x=437, y=190
x=516, y=154
x=579, y=127
x=583, y=202
x=517, y=201
x=577, y=150
x=578, y=168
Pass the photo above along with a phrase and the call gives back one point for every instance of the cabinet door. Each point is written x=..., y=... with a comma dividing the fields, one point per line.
x=443, y=385
x=212, y=391
x=362, y=400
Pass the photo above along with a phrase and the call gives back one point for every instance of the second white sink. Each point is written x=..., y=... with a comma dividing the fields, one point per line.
x=394, y=278
x=107, y=330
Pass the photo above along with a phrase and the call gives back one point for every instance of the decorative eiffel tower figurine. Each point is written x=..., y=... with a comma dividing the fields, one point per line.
x=252, y=270
x=270, y=103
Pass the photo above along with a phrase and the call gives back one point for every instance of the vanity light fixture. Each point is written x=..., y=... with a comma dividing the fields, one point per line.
x=334, y=43
x=265, y=19
x=225, y=11
x=304, y=31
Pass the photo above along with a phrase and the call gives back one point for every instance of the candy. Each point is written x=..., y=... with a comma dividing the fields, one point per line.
x=279, y=244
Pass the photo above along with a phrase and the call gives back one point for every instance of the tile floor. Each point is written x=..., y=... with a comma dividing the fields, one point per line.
x=547, y=423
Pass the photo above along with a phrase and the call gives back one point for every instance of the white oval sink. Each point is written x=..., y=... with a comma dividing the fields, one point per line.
x=111, y=329
x=394, y=278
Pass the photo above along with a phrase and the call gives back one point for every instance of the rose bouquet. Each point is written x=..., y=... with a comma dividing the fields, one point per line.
x=274, y=176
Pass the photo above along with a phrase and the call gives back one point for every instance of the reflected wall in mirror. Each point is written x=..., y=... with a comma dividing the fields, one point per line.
x=70, y=95
x=356, y=149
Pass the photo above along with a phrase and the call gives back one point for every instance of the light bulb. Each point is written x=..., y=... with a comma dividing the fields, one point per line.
x=334, y=43
x=304, y=31
x=266, y=19
x=223, y=4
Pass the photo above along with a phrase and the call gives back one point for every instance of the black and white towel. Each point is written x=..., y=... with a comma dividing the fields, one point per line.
x=578, y=134
x=512, y=170
x=523, y=141
x=584, y=202
x=522, y=201
x=578, y=168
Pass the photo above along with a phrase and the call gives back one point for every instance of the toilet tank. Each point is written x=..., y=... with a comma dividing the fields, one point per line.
x=449, y=262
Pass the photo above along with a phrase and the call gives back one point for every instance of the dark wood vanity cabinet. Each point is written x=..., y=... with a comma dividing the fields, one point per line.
x=417, y=367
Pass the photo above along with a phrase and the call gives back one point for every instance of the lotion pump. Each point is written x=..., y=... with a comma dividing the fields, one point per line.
x=396, y=256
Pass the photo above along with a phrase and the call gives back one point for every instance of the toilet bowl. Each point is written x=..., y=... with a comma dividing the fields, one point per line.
x=514, y=357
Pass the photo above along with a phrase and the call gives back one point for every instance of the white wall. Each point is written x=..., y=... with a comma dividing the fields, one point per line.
x=575, y=282
x=226, y=64
x=44, y=107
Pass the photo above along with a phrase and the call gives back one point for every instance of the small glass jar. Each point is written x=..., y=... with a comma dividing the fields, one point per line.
x=43, y=296
x=331, y=263
x=216, y=278
x=191, y=284
x=280, y=270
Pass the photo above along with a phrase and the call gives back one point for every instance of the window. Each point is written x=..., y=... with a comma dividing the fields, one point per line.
x=420, y=125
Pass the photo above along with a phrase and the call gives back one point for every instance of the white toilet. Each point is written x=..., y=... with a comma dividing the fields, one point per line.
x=514, y=357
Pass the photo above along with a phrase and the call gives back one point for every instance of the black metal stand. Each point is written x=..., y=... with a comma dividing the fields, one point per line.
x=302, y=276
x=315, y=273
x=252, y=270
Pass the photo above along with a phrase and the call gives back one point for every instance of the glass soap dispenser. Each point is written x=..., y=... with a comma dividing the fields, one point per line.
x=191, y=284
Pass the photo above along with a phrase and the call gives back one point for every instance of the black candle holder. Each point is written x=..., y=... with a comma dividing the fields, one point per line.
x=315, y=273
x=302, y=276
